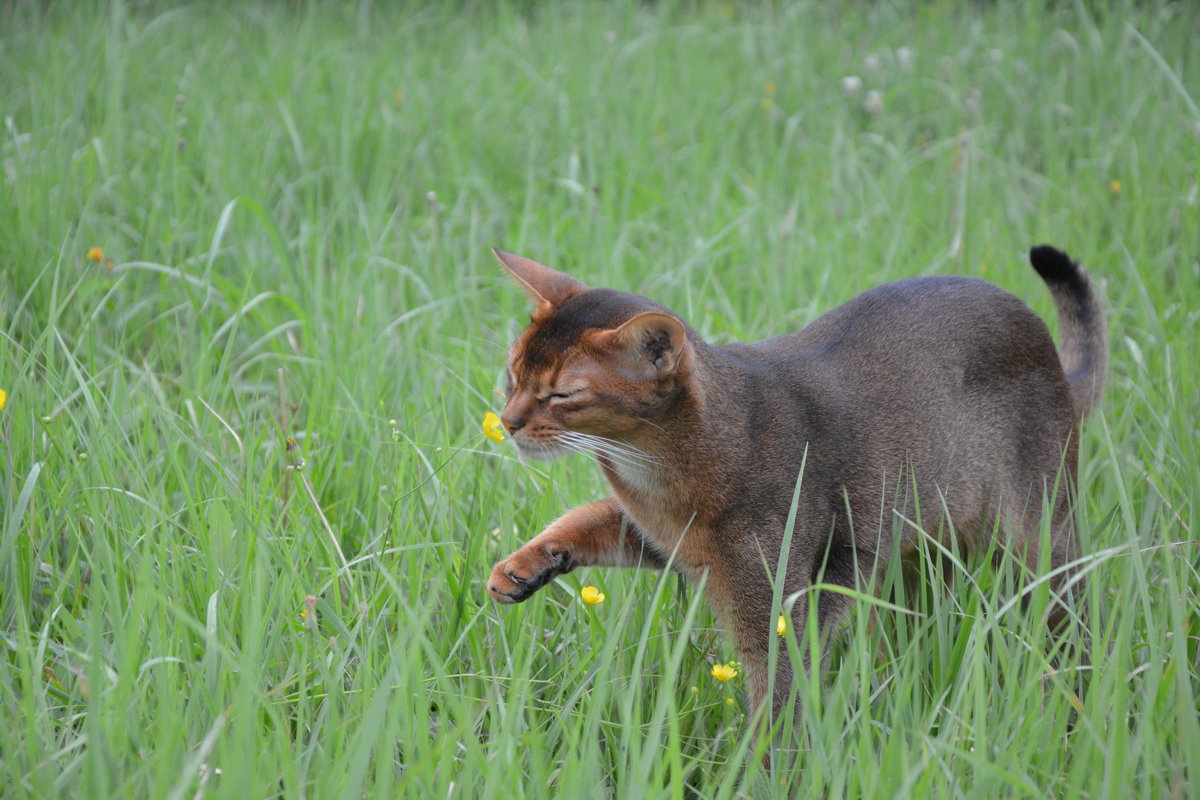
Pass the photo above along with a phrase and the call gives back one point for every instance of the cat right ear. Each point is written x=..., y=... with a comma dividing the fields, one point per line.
x=655, y=341
x=547, y=287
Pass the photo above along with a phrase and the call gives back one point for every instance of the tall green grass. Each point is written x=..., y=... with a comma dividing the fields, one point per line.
x=298, y=202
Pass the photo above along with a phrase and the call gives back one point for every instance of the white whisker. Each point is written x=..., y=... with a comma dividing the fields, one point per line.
x=651, y=424
x=620, y=461
x=617, y=448
x=618, y=453
x=614, y=444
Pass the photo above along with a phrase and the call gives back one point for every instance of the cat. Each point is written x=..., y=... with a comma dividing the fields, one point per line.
x=947, y=389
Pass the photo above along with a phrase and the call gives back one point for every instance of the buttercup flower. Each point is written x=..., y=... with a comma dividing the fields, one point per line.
x=3, y=399
x=492, y=428
x=724, y=672
x=95, y=254
x=309, y=614
x=591, y=595
x=781, y=625
x=1114, y=186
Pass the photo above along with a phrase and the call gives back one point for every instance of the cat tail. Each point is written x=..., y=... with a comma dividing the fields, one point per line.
x=1083, y=332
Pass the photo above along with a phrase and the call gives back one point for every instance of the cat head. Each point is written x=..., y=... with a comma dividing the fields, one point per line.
x=593, y=365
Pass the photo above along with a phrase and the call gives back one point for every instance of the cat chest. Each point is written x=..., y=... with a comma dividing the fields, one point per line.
x=672, y=529
x=674, y=516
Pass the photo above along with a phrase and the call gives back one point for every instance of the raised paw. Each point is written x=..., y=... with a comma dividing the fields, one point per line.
x=524, y=572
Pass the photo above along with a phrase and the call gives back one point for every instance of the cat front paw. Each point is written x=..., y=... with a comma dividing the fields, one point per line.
x=515, y=578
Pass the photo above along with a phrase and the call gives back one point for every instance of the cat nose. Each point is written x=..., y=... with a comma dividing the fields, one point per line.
x=516, y=412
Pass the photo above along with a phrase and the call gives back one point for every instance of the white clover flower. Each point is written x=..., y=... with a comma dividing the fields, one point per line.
x=873, y=103
x=851, y=84
x=973, y=99
x=906, y=57
x=871, y=63
x=995, y=55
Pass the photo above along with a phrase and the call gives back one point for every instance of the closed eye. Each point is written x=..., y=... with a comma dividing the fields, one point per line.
x=563, y=395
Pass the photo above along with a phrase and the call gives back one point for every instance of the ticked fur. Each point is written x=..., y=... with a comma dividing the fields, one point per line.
x=948, y=389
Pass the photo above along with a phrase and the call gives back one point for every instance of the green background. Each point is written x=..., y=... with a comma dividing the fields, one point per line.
x=298, y=201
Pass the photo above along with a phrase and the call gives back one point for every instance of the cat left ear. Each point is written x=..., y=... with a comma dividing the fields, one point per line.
x=547, y=287
x=655, y=339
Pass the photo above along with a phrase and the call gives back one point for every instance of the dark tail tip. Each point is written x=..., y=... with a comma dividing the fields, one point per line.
x=1055, y=266
x=1083, y=343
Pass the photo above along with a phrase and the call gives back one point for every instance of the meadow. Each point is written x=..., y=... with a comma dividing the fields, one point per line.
x=250, y=324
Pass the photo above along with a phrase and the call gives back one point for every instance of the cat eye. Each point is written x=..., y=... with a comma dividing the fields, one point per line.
x=562, y=395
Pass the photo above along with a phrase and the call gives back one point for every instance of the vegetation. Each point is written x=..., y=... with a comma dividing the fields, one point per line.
x=246, y=506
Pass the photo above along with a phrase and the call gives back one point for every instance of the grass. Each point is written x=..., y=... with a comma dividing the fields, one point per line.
x=298, y=201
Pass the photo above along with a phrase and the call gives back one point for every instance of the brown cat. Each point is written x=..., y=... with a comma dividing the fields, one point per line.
x=948, y=385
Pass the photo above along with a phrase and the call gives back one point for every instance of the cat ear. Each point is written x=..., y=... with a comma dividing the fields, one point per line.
x=655, y=339
x=547, y=287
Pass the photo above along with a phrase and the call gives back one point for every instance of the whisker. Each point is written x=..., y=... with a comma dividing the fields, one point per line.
x=604, y=439
x=615, y=459
x=545, y=449
x=601, y=443
x=567, y=440
x=627, y=458
x=627, y=449
x=575, y=447
x=618, y=452
x=651, y=424
x=618, y=459
x=584, y=442
x=626, y=466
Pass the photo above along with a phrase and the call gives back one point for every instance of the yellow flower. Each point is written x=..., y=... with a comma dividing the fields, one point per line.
x=781, y=625
x=1114, y=186
x=769, y=88
x=3, y=399
x=95, y=254
x=591, y=595
x=728, y=701
x=492, y=427
x=724, y=672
